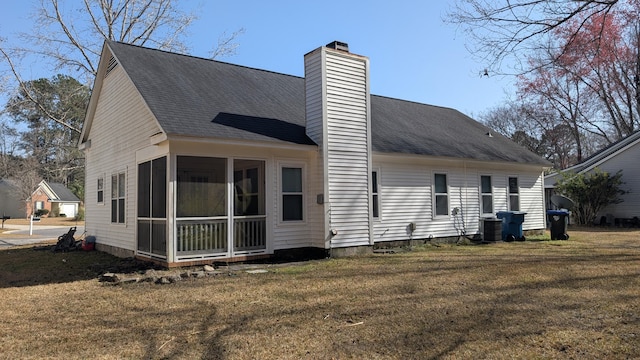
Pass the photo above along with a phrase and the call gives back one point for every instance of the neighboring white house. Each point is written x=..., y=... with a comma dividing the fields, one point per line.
x=621, y=155
x=193, y=160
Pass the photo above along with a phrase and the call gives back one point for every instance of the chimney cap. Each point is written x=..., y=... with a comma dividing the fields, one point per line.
x=338, y=45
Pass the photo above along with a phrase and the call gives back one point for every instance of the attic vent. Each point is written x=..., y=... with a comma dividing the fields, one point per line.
x=338, y=45
x=112, y=65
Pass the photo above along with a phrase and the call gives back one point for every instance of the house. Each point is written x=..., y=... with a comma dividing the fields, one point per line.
x=191, y=160
x=621, y=155
x=55, y=198
x=10, y=203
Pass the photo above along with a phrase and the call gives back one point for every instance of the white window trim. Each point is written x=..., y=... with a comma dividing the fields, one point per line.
x=378, y=177
x=101, y=176
x=292, y=164
x=493, y=205
x=126, y=178
x=509, y=193
x=433, y=196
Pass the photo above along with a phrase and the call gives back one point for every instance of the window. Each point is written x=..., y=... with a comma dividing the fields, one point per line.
x=100, y=188
x=117, y=198
x=486, y=191
x=514, y=194
x=292, y=197
x=374, y=195
x=441, y=195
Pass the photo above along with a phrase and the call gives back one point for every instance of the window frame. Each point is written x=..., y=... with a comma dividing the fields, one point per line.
x=435, y=195
x=484, y=194
x=375, y=195
x=100, y=190
x=119, y=195
x=513, y=194
x=301, y=193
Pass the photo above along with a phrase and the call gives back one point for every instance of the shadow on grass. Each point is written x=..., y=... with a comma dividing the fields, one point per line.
x=38, y=265
x=501, y=302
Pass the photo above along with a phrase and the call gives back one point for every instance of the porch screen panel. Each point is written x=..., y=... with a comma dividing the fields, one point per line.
x=144, y=207
x=144, y=189
x=249, y=229
x=159, y=188
x=159, y=237
x=201, y=204
x=144, y=234
x=201, y=187
x=152, y=207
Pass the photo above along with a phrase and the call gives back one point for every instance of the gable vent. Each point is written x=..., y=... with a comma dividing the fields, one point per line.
x=112, y=65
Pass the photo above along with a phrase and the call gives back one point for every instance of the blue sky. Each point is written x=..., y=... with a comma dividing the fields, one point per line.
x=413, y=54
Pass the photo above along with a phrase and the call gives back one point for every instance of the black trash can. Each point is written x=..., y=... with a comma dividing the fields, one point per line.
x=558, y=220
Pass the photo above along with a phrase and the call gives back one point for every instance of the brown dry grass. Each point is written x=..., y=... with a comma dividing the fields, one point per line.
x=537, y=299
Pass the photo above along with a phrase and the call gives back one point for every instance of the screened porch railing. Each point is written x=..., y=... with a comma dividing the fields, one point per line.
x=201, y=236
x=250, y=233
x=209, y=236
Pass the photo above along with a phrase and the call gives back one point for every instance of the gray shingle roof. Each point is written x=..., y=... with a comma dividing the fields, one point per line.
x=205, y=98
x=552, y=179
x=63, y=193
x=604, y=153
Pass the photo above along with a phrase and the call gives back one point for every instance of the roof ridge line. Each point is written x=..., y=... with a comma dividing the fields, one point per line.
x=203, y=58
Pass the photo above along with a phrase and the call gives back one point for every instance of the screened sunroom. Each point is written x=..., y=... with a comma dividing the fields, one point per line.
x=211, y=208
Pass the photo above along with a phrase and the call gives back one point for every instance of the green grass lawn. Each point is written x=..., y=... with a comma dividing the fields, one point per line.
x=535, y=299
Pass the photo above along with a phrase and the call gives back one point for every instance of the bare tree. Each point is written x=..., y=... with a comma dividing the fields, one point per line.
x=536, y=127
x=578, y=60
x=72, y=36
x=226, y=45
x=511, y=29
x=26, y=181
x=68, y=36
x=9, y=138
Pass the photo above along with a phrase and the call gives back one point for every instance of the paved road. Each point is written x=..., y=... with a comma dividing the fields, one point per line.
x=19, y=235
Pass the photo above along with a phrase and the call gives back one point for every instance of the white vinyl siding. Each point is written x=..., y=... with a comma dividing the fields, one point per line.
x=627, y=161
x=313, y=99
x=121, y=126
x=408, y=197
x=337, y=110
x=531, y=191
x=348, y=158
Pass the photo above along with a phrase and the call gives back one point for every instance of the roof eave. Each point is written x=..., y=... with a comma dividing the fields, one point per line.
x=242, y=142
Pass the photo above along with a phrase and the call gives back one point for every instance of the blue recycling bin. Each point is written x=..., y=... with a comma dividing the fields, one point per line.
x=558, y=221
x=511, y=225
